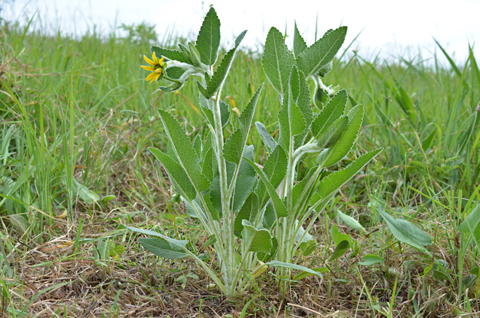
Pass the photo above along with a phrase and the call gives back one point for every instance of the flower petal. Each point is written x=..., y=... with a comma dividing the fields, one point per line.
x=154, y=58
x=161, y=61
x=150, y=76
x=149, y=61
x=148, y=68
x=155, y=77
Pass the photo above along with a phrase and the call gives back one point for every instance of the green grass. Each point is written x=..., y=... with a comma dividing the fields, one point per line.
x=76, y=118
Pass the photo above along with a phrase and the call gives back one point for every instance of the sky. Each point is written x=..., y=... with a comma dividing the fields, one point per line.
x=388, y=28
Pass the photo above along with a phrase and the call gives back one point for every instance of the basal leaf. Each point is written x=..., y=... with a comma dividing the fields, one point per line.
x=161, y=248
x=277, y=61
x=173, y=55
x=340, y=249
x=338, y=236
x=354, y=224
x=471, y=225
x=275, y=169
x=249, y=211
x=256, y=240
x=296, y=267
x=321, y=52
x=371, y=259
x=299, y=44
x=208, y=40
x=221, y=72
x=406, y=232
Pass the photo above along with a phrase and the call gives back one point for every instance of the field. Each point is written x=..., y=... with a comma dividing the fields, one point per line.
x=77, y=117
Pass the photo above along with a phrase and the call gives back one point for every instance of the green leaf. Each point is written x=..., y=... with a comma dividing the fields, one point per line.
x=275, y=168
x=173, y=55
x=370, y=259
x=221, y=72
x=302, y=275
x=267, y=139
x=340, y=249
x=321, y=52
x=234, y=146
x=277, y=61
x=406, y=232
x=330, y=136
x=471, y=225
x=208, y=39
x=161, y=248
x=330, y=113
x=338, y=236
x=177, y=175
x=299, y=44
x=173, y=242
x=301, y=97
x=330, y=184
x=407, y=105
x=207, y=106
x=345, y=143
x=249, y=211
x=256, y=240
x=279, y=207
x=210, y=165
x=296, y=267
x=291, y=121
x=175, y=72
x=197, y=145
x=84, y=193
x=350, y=221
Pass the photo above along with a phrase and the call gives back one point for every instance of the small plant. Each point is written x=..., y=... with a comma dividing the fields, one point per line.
x=255, y=223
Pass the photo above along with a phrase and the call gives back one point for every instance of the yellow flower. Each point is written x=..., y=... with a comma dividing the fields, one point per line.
x=156, y=67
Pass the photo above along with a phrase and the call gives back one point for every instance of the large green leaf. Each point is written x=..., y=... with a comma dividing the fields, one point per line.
x=330, y=113
x=406, y=232
x=340, y=249
x=275, y=168
x=162, y=248
x=301, y=97
x=291, y=121
x=278, y=206
x=210, y=165
x=256, y=240
x=267, y=139
x=277, y=61
x=333, y=182
x=207, y=107
x=249, y=211
x=208, y=39
x=221, y=72
x=350, y=221
x=299, y=44
x=321, y=52
x=471, y=225
x=234, y=146
x=169, y=54
x=178, y=176
x=184, y=151
x=330, y=136
x=345, y=143
x=294, y=266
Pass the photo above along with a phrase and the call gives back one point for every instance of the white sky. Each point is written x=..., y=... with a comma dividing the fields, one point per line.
x=388, y=26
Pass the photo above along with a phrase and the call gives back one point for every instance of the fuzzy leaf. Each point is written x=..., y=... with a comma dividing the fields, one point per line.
x=330, y=184
x=370, y=259
x=275, y=169
x=207, y=106
x=277, y=61
x=173, y=55
x=267, y=139
x=184, y=151
x=221, y=72
x=256, y=240
x=406, y=232
x=346, y=141
x=330, y=113
x=279, y=207
x=291, y=121
x=340, y=249
x=321, y=52
x=330, y=136
x=177, y=175
x=208, y=39
x=350, y=221
x=471, y=225
x=295, y=266
x=299, y=44
x=161, y=248
x=249, y=211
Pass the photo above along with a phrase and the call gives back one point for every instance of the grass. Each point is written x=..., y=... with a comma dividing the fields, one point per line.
x=76, y=118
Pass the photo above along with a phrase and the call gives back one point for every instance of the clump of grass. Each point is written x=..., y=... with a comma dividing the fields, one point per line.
x=76, y=118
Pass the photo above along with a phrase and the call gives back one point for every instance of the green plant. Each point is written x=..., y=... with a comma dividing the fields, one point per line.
x=254, y=221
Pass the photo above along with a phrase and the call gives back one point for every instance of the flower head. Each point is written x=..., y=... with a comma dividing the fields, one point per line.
x=156, y=67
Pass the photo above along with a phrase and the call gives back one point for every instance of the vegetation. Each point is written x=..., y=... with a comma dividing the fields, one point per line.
x=77, y=119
